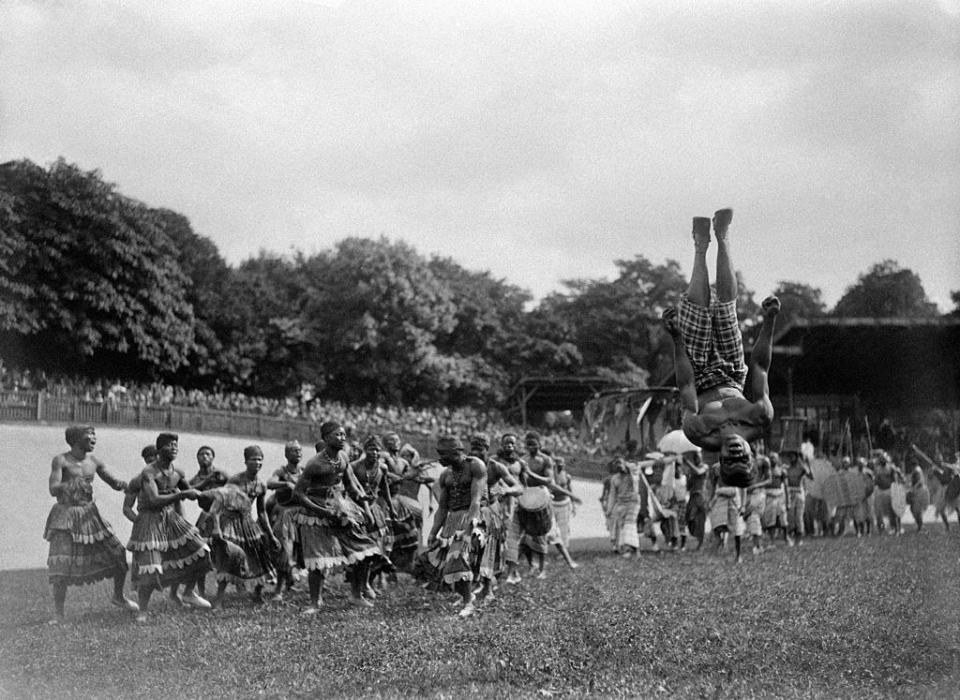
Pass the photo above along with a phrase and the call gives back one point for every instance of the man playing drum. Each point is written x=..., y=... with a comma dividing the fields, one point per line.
x=708, y=350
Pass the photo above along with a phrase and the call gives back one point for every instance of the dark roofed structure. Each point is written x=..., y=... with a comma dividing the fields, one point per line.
x=539, y=394
x=890, y=365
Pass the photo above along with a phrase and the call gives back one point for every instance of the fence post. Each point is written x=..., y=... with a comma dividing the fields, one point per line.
x=259, y=427
x=74, y=407
x=169, y=416
x=39, y=406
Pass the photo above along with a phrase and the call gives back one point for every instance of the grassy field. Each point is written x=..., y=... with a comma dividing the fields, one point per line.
x=877, y=617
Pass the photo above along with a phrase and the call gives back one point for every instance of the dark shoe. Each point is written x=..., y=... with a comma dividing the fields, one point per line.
x=701, y=231
x=721, y=221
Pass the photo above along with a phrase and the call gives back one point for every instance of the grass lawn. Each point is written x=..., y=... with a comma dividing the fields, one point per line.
x=877, y=617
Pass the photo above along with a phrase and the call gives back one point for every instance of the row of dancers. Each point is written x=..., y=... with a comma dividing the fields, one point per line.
x=362, y=516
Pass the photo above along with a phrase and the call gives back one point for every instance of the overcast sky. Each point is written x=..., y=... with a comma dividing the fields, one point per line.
x=540, y=141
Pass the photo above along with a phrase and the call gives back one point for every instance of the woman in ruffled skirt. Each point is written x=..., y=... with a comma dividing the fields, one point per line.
x=167, y=550
x=232, y=524
x=83, y=548
x=281, y=509
x=368, y=485
x=332, y=528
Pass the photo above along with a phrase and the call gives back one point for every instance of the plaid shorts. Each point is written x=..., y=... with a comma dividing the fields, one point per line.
x=713, y=342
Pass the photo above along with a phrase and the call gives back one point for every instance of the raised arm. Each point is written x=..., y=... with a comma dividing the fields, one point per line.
x=762, y=355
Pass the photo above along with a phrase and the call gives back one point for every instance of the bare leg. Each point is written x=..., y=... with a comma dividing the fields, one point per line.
x=465, y=590
x=59, y=599
x=565, y=553
x=221, y=592
x=698, y=290
x=726, y=276
x=118, y=598
x=315, y=584
x=143, y=593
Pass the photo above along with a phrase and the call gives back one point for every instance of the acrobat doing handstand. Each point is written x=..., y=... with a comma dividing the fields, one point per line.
x=710, y=366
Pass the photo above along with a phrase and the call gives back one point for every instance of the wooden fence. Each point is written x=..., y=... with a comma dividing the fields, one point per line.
x=38, y=406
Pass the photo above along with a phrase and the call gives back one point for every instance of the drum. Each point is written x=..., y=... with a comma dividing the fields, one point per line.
x=536, y=515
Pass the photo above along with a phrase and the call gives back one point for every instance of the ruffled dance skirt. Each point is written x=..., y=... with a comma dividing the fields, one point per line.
x=256, y=567
x=83, y=548
x=333, y=543
x=167, y=550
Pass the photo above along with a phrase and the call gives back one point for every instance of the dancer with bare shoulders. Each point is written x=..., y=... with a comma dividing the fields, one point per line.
x=167, y=550
x=83, y=548
x=280, y=509
x=708, y=350
x=233, y=522
x=501, y=486
x=332, y=530
x=458, y=534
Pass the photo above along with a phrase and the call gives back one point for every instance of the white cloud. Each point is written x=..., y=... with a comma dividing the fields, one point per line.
x=538, y=140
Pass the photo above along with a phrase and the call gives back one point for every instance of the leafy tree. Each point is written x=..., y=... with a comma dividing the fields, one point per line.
x=208, y=275
x=266, y=344
x=615, y=326
x=89, y=277
x=376, y=311
x=488, y=330
x=955, y=298
x=886, y=290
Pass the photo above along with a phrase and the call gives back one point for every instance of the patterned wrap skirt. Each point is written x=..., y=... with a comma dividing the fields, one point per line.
x=492, y=560
x=725, y=511
x=461, y=544
x=256, y=567
x=284, y=526
x=333, y=543
x=407, y=523
x=83, y=548
x=166, y=549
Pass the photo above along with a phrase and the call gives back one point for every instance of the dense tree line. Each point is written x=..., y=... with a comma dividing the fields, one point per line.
x=95, y=282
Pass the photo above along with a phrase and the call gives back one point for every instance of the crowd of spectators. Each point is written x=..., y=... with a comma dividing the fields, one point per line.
x=359, y=420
